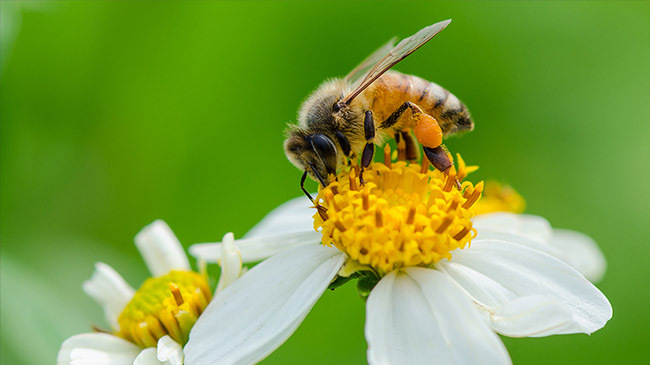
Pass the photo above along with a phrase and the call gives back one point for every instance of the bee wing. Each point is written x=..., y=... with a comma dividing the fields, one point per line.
x=355, y=75
x=398, y=53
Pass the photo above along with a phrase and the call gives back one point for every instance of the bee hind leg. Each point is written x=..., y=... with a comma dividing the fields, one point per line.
x=439, y=158
x=410, y=146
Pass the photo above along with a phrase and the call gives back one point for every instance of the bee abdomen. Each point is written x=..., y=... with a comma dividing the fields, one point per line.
x=451, y=113
x=391, y=90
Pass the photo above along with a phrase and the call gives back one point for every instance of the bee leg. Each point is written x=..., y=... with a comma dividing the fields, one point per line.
x=411, y=146
x=345, y=145
x=369, y=149
x=393, y=118
x=302, y=186
x=439, y=158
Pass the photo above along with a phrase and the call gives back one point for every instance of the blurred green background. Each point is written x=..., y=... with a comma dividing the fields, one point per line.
x=114, y=114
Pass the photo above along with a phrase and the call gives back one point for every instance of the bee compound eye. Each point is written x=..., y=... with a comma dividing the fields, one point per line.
x=326, y=150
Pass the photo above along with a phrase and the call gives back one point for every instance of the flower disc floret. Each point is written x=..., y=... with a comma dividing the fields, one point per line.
x=403, y=215
x=164, y=305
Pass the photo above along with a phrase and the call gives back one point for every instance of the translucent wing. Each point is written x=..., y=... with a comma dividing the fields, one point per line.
x=361, y=69
x=398, y=53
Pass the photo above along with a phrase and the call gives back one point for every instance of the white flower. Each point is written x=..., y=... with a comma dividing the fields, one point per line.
x=513, y=280
x=166, y=260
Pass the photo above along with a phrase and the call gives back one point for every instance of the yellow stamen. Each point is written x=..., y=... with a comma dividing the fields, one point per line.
x=165, y=305
x=401, y=150
x=404, y=215
x=387, y=160
x=352, y=180
x=473, y=197
x=425, y=166
x=176, y=292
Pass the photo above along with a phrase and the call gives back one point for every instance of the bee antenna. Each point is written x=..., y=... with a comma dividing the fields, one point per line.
x=302, y=186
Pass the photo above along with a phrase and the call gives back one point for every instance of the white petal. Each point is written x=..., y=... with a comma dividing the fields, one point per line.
x=230, y=262
x=420, y=316
x=170, y=352
x=494, y=272
x=97, y=349
x=290, y=217
x=581, y=252
x=110, y=291
x=259, y=311
x=529, y=226
x=148, y=356
x=521, y=317
x=160, y=249
x=257, y=248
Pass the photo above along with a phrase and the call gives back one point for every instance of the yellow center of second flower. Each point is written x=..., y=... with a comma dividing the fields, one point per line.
x=165, y=305
x=404, y=214
x=499, y=198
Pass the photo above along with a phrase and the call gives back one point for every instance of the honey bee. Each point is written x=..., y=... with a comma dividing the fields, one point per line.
x=345, y=118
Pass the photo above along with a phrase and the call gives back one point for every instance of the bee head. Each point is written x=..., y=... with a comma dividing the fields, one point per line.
x=314, y=153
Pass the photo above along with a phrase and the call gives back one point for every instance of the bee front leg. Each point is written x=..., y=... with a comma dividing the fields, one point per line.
x=345, y=145
x=369, y=149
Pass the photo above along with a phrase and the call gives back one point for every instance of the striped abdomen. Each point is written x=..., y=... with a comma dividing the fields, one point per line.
x=391, y=90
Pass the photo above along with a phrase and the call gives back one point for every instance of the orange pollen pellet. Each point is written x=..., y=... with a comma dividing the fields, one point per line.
x=176, y=292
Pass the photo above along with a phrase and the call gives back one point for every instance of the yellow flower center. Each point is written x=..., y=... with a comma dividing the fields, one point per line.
x=166, y=305
x=499, y=198
x=404, y=214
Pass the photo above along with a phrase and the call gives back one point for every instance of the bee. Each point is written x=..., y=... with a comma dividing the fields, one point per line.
x=345, y=117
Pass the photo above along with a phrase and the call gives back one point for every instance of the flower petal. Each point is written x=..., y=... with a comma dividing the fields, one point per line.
x=418, y=316
x=110, y=291
x=170, y=352
x=581, y=252
x=259, y=311
x=256, y=248
x=148, y=356
x=230, y=262
x=160, y=249
x=290, y=217
x=97, y=349
x=495, y=272
x=529, y=226
x=521, y=317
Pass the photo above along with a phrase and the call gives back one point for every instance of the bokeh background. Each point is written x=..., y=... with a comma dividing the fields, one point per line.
x=114, y=114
